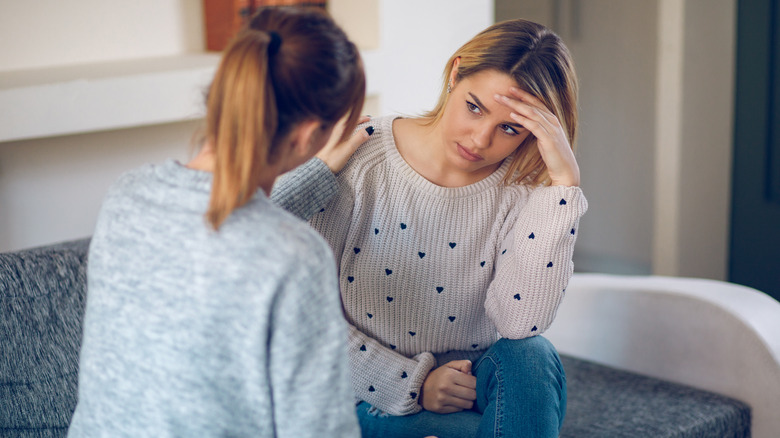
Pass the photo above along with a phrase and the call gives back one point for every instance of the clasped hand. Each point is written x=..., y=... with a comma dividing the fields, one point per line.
x=449, y=388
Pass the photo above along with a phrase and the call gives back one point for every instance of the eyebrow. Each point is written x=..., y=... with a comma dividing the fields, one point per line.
x=487, y=111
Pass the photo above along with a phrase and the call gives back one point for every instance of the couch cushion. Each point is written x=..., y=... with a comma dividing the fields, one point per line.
x=42, y=297
x=606, y=402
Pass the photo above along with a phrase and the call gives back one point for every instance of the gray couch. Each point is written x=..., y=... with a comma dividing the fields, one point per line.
x=42, y=297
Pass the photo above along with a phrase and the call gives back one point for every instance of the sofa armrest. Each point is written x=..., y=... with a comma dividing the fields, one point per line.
x=708, y=334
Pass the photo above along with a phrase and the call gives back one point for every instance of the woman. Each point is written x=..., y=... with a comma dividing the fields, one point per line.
x=452, y=229
x=210, y=311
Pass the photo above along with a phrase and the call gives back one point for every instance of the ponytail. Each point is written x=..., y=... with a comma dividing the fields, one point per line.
x=242, y=120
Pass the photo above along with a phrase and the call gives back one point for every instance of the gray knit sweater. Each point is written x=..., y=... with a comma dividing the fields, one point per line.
x=194, y=333
x=429, y=273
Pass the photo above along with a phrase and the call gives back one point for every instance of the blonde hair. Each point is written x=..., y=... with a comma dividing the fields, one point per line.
x=540, y=63
x=289, y=65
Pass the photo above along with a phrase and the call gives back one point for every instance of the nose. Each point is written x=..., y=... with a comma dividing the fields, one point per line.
x=482, y=135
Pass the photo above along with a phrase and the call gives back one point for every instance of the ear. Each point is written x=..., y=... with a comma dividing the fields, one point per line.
x=304, y=139
x=454, y=73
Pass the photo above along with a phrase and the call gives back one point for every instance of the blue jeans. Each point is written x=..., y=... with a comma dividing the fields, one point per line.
x=521, y=392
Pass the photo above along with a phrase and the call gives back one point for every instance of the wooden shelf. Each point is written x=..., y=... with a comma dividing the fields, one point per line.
x=112, y=95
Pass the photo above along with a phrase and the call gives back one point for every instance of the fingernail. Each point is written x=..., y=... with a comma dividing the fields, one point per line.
x=370, y=130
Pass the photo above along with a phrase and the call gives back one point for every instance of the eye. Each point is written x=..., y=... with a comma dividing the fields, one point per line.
x=472, y=108
x=509, y=130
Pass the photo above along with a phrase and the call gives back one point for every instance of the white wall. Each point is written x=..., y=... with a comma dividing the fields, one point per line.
x=51, y=188
x=48, y=33
x=417, y=39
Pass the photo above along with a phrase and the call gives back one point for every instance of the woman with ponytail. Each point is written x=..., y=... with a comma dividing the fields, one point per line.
x=211, y=311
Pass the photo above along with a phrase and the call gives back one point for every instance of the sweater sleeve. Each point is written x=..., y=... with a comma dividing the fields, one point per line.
x=306, y=189
x=308, y=369
x=534, y=263
x=385, y=379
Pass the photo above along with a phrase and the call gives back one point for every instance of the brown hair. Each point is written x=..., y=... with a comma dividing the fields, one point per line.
x=537, y=59
x=287, y=66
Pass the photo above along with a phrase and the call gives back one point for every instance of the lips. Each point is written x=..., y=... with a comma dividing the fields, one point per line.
x=468, y=155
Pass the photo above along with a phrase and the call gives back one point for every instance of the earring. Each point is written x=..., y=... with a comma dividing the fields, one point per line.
x=449, y=87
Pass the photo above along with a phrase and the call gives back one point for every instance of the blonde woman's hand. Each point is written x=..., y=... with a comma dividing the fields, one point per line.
x=551, y=139
x=336, y=154
x=449, y=388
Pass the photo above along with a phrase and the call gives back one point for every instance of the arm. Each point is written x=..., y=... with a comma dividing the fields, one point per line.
x=307, y=189
x=308, y=368
x=533, y=273
x=387, y=380
x=531, y=276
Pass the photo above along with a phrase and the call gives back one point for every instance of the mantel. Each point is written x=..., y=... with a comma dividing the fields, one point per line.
x=85, y=98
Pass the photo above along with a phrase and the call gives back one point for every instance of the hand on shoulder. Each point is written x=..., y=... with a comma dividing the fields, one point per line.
x=335, y=154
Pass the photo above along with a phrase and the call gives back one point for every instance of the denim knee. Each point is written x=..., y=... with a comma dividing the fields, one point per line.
x=533, y=349
x=529, y=374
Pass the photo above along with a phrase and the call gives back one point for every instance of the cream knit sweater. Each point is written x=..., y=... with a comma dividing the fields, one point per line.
x=425, y=270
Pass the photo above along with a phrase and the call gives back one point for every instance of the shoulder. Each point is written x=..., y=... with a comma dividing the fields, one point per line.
x=262, y=226
x=374, y=151
x=132, y=179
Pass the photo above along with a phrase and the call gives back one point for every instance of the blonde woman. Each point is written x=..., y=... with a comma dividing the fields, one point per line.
x=453, y=233
x=211, y=311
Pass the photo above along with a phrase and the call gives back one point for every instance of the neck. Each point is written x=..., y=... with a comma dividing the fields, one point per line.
x=421, y=145
x=206, y=161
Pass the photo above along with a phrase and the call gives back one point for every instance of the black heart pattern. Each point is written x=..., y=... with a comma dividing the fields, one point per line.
x=503, y=252
x=370, y=315
x=392, y=347
x=474, y=345
x=371, y=388
x=563, y=202
x=550, y=265
x=572, y=231
x=413, y=395
x=350, y=279
x=412, y=333
x=533, y=329
x=362, y=348
x=389, y=299
x=357, y=250
x=376, y=230
x=388, y=271
x=452, y=244
x=403, y=226
x=321, y=210
x=517, y=296
x=421, y=254
x=482, y=263
x=439, y=289
x=452, y=319
x=404, y=375
x=531, y=236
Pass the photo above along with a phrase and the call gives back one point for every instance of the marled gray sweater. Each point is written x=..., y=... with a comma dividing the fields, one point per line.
x=190, y=332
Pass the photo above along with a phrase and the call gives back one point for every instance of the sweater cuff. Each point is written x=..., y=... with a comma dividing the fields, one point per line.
x=306, y=189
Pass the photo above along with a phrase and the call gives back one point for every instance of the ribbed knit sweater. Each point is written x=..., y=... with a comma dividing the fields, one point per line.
x=426, y=270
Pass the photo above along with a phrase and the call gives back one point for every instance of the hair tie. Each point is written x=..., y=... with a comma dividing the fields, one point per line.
x=273, y=45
